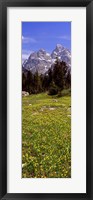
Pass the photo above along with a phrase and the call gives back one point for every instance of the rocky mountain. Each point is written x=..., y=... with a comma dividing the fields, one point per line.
x=62, y=54
x=41, y=61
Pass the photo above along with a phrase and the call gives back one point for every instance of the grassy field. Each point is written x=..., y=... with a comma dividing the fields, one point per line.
x=46, y=136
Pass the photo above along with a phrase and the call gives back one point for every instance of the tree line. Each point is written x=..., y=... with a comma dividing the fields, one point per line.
x=54, y=81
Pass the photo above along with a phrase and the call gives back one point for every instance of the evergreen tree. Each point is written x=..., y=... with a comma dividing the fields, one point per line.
x=68, y=80
x=53, y=89
x=55, y=80
x=37, y=83
x=58, y=75
x=45, y=82
x=65, y=72
x=50, y=76
x=29, y=82
x=23, y=82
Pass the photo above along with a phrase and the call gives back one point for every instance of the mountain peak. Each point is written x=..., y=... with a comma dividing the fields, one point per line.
x=59, y=46
x=42, y=50
x=42, y=60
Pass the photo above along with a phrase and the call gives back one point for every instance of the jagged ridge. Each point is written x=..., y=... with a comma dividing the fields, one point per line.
x=41, y=60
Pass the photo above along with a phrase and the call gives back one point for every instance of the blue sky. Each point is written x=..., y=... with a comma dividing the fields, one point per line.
x=37, y=35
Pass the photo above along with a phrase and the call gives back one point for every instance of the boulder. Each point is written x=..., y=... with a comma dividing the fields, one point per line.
x=24, y=93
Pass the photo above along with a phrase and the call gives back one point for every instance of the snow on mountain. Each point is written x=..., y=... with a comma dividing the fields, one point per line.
x=41, y=60
x=62, y=54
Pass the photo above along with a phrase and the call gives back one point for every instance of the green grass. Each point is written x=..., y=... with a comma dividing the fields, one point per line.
x=46, y=136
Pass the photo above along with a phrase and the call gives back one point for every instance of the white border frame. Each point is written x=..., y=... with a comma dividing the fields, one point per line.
x=77, y=182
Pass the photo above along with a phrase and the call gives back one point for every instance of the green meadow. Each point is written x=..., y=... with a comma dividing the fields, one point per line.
x=46, y=136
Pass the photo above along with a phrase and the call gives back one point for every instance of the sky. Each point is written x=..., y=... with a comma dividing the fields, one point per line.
x=46, y=35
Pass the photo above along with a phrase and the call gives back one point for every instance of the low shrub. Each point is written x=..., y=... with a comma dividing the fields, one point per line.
x=53, y=90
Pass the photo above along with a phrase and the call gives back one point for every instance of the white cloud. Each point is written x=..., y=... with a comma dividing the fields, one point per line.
x=28, y=40
x=24, y=57
x=25, y=54
x=64, y=37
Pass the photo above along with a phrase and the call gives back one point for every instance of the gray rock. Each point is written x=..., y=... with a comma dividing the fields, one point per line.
x=41, y=60
x=24, y=93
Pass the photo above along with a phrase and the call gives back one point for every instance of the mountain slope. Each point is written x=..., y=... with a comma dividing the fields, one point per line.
x=41, y=61
x=62, y=53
